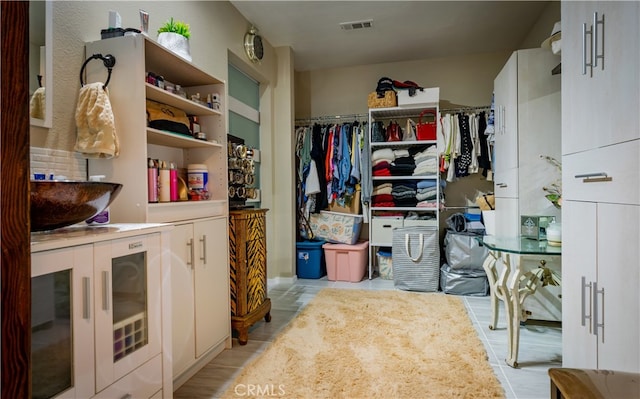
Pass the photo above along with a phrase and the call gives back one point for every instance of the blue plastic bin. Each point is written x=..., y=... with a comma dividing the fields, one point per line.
x=310, y=260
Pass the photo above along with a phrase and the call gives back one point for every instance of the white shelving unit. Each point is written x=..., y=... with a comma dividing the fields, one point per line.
x=380, y=227
x=128, y=92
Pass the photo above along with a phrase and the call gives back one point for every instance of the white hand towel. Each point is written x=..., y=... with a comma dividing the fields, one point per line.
x=95, y=123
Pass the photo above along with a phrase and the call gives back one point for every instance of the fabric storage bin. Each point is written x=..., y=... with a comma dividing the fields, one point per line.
x=469, y=282
x=389, y=100
x=416, y=259
x=346, y=262
x=382, y=229
x=420, y=222
x=385, y=263
x=335, y=227
x=310, y=261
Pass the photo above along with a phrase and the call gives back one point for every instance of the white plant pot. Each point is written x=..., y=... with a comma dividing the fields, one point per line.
x=176, y=43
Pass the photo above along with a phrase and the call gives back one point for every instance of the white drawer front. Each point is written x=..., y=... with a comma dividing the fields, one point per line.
x=420, y=223
x=613, y=172
x=382, y=229
x=505, y=183
x=143, y=382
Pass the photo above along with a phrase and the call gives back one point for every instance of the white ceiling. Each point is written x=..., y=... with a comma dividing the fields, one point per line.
x=402, y=30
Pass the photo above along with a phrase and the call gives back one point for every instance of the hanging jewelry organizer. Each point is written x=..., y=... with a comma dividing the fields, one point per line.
x=109, y=62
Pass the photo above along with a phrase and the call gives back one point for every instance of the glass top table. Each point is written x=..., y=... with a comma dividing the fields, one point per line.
x=520, y=245
x=512, y=282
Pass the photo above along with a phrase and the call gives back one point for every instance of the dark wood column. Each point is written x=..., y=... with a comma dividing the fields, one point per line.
x=15, y=259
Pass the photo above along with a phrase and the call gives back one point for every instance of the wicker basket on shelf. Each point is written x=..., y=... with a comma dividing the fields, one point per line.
x=389, y=100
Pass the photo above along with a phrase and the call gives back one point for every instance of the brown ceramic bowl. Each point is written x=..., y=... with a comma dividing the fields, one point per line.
x=56, y=204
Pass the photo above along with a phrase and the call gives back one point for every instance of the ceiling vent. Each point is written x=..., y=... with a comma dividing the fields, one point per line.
x=356, y=24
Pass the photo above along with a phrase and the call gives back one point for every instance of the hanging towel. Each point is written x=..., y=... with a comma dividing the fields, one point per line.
x=37, y=103
x=95, y=123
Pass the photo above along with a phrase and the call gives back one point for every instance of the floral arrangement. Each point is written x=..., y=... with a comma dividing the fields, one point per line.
x=554, y=190
x=178, y=27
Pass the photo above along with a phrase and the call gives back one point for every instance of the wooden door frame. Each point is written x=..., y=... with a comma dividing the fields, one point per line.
x=15, y=258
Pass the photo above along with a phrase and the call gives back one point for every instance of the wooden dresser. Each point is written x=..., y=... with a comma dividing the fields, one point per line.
x=248, y=270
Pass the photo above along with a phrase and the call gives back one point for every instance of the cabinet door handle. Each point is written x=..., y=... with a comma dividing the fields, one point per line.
x=594, y=177
x=191, y=253
x=584, y=303
x=598, y=317
x=86, y=298
x=203, y=240
x=586, y=64
x=105, y=290
x=594, y=38
x=502, y=185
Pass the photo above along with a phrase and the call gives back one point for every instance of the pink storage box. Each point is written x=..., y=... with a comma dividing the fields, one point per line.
x=346, y=262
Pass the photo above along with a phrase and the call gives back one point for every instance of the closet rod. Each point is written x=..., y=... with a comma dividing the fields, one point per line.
x=485, y=108
x=327, y=118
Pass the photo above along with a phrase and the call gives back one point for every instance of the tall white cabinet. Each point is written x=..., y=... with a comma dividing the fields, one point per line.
x=200, y=254
x=527, y=125
x=601, y=189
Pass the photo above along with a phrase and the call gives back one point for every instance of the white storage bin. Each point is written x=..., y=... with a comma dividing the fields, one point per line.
x=382, y=228
x=334, y=227
x=428, y=97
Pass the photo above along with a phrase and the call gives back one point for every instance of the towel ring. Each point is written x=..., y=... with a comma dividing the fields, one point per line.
x=108, y=60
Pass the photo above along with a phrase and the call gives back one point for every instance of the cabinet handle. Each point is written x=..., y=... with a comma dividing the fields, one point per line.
x=586, y=64
x=502, y=185
x=594, y=37
x=594, y=177
x=584, y=303
x=203, y=240
x=191, y=253
x=105, y=290
x=86, y=298
x=598, y=317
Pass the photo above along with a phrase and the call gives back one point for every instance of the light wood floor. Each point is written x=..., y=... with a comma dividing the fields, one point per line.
x=540, y=346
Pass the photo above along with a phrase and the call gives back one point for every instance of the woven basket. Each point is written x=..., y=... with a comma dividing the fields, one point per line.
x=389, y=100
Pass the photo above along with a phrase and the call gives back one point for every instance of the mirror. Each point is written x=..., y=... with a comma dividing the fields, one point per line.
x=40, y=62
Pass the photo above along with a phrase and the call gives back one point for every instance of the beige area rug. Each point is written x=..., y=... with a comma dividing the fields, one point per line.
x=373, y=344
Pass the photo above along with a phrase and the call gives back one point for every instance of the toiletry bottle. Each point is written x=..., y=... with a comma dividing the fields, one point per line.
x=173, y=182
x=152, y=180
x=164, y=183
x=102, y=217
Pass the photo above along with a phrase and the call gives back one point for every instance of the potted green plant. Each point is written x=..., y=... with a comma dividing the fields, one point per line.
x=175, y=35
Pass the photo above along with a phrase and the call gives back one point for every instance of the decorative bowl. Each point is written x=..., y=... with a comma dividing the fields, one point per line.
x=56, y=203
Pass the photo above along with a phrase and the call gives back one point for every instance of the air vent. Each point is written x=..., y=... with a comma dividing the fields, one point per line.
x=356, y=24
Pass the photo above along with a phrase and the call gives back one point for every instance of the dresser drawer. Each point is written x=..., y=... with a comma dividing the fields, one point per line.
x=607, y=174
x=382, y=229
x=143, y=382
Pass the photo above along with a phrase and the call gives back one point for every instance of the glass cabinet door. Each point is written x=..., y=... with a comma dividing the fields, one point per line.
x=62, y=323
x=128, y=280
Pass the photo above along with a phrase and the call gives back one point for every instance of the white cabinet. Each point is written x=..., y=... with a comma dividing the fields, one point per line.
x=380, y=223
x=107, y=337
x=601, y=186
x=128, y=92
x=200, y=278
x=604, y=100
x=527, y=124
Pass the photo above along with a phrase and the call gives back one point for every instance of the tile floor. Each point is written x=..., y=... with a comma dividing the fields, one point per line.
x=540, y=345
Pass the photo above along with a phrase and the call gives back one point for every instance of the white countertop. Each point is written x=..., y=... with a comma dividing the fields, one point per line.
x=81, y=233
